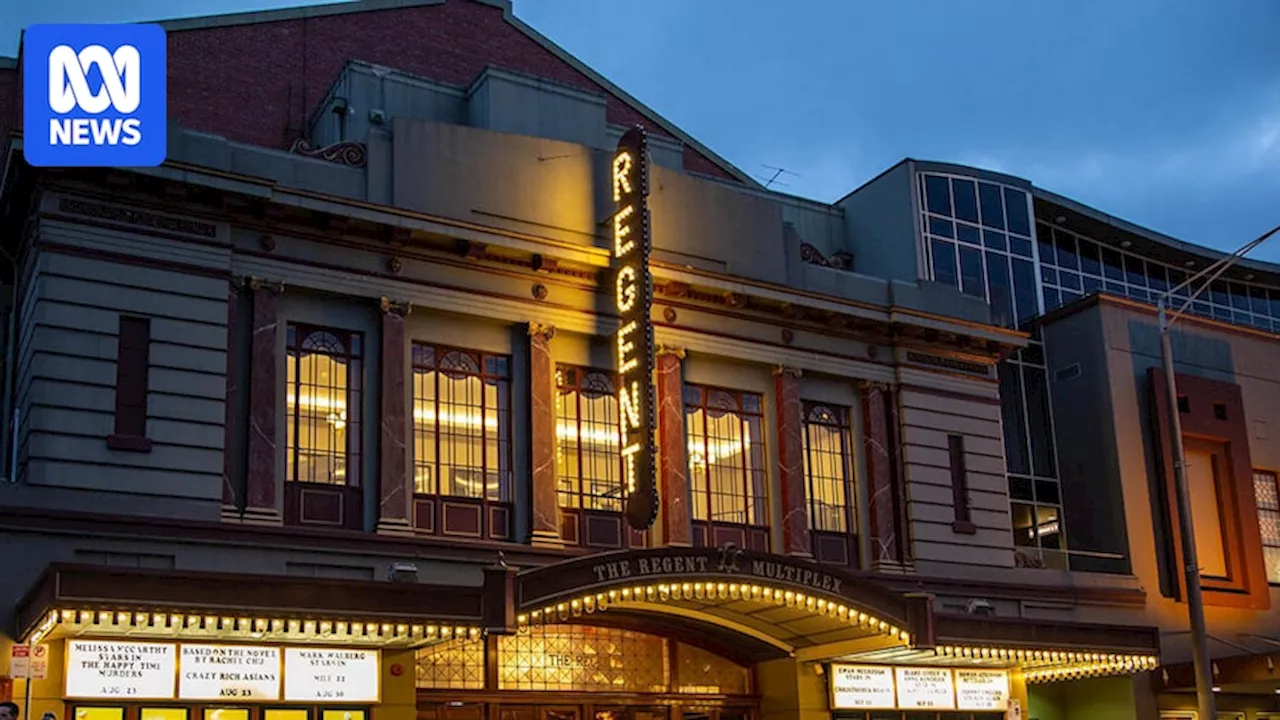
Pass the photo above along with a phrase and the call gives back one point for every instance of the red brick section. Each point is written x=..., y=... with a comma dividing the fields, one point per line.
x=10, y=104
x=257, y=83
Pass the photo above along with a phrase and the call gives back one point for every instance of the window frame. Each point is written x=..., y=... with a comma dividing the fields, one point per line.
x=711, y=532
x=1274, y=478
x=564, y=390
x=434, y=512
x=822, y=540
x=295, y=335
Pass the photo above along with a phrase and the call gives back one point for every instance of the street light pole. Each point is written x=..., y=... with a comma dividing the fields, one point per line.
x=1195, y=598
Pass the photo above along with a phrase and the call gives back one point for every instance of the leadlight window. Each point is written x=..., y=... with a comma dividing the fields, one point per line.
x=1266, y=491
x=461, y=423
x=588, y=433
x=583, y=658
x=726, y=455
x=452, y=665
x=826, y=468
x=703, y=672
x=322, y=400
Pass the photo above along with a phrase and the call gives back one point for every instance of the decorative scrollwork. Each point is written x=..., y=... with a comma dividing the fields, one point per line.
x=729, y=553
x=840, y=260
x=352, y=154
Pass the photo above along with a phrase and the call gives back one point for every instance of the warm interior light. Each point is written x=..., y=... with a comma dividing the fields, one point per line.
x=717, y=451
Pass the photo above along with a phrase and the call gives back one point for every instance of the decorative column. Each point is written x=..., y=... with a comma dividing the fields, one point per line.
x=232, y=494
x=262, y=501
x=545, y=500
x=673, y=461
x=795, y=516
x=884, y=498
x=393, y=476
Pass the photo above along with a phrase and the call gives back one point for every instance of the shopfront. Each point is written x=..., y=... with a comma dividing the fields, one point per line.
x=124, y=644
x=652, y=634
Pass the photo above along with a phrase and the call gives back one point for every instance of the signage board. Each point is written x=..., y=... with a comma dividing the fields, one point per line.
x=229, y=672
x=925, y=688
x=19, y=661
x=982, y=689
x=106, y=669
x=39, y=665
x=862, y=687
x=633, y=301
x=331, y=675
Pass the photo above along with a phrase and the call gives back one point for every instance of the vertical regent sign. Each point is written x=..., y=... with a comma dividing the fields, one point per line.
x=94, y=95
x=633, y=299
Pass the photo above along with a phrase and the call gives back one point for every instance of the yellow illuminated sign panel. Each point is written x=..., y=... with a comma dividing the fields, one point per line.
x=633, y=300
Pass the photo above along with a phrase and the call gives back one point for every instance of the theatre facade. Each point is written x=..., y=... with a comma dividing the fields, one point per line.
x=500, y=398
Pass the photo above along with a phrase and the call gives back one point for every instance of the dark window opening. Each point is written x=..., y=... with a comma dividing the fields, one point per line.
x=1184, y=405
x=959, y=486
x=132, y=365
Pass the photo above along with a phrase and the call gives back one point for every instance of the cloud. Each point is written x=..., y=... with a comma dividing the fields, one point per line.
x=1238, y=149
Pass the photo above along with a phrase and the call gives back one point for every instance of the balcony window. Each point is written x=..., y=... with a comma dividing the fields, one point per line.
x=589, y=459
x=829, y=484
x=726, y=466
x=322, y=398
x=461, y=442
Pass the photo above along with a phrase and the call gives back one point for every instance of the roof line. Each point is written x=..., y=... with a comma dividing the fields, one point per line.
x=348, y=7
x=1146, y=233
x=256, y=17
x=631, y=100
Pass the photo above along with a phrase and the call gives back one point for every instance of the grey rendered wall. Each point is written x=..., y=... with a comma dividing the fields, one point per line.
x=522, y=105
x=66, y=375
x=880, y=222
x=1084, y=426
x=368, y=88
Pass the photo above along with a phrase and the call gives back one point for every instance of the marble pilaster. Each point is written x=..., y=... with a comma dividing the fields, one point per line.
x=673, y=461
x=795, y=516
x=884, y=501
x=262, y=499
x=231, y=482
x=393, y=477
x=542, y=425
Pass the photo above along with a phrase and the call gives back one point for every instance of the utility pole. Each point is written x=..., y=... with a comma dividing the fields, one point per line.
x=1195, y=598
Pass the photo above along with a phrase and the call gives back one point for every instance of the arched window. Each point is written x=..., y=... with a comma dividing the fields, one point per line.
x=726, y=466
x=588, y=435
x=323, y=406
x=829, y=483
x=589, y=460
x=461, y=441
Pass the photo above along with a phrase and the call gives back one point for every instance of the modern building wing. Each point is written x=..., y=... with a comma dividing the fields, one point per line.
x=339, y=399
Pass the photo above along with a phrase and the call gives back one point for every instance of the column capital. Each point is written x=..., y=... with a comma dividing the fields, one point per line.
x=257, y=284
x=784, y=370
x=401, y=308
x=670, y=350
x=878, y=385
x=543, y=331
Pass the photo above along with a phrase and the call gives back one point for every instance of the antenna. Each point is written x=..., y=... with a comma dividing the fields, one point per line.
x=777, y=172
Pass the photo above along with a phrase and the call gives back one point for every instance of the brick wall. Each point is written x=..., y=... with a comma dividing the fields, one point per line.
x=10, y=107
x=257, y=83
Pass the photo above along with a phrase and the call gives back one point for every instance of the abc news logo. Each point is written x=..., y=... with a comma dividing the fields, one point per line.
x=69, y=89
x=94, y=95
